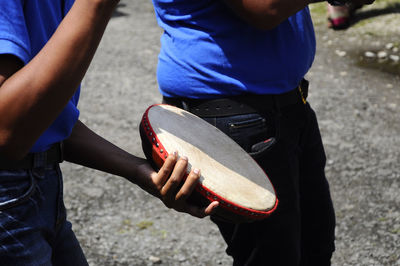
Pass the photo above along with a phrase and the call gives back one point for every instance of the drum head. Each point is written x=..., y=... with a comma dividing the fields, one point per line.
x=228, y=173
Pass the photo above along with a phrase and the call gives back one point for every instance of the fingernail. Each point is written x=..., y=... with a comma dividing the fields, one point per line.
x=184, y=158
x=175, y=153
x=196, y=171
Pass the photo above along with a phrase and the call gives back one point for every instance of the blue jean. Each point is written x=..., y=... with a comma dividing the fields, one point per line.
x=301, y=230
x=33, y=225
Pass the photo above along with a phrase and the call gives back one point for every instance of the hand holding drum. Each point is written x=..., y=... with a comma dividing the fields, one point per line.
x=228, y=174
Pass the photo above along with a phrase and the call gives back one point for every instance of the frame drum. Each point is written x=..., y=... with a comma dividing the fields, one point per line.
x=228, y=174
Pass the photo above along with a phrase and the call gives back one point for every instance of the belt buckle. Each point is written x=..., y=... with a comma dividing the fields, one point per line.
x=303, y=89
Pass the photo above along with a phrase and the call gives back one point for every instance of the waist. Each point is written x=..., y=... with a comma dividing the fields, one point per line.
x=242, y=104
x=51, y=156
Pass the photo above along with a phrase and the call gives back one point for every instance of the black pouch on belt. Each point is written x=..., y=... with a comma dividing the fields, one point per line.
x=244, y=104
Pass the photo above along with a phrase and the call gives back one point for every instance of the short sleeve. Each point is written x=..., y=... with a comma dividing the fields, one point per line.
x=14, y=38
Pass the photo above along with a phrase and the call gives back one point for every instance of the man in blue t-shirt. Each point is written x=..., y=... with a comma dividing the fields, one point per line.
x=46, y=47
x=240, y=66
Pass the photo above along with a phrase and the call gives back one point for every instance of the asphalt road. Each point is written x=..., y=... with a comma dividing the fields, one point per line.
x=358, y=110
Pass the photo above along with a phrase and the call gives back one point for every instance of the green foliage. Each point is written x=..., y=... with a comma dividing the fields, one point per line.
x=144, y=225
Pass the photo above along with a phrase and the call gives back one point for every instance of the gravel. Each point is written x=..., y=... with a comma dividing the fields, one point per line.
x=358, y=108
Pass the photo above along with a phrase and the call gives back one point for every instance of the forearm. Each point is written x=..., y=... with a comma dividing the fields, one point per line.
x=171, y=184
x=266, y=14
x=84, y=147
x=33, y=97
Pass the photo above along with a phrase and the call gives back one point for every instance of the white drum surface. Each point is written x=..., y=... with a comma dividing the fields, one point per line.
x=226, y=169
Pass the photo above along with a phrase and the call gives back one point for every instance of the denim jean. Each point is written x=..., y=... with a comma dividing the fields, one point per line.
x=301, y=230
x=33, y=225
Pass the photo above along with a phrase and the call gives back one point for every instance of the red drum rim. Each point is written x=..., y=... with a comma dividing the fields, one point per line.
x=159, y=155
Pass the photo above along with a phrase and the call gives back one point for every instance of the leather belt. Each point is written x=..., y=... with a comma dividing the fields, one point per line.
x=243, y=104
x=51, y=156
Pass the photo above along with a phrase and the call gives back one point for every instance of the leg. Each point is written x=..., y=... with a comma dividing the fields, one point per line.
x=275, y=240
x=66, y=248
x=29, y=232
x=340, y=17
x=22, y=240
x=318, y=218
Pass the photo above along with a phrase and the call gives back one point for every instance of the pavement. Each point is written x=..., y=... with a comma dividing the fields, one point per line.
x=357, y=101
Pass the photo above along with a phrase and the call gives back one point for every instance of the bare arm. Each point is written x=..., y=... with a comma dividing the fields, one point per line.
x=86, y=148
x=267, y=14
x=31, y=97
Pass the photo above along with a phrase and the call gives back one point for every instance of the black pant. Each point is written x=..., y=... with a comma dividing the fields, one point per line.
x=301, y=230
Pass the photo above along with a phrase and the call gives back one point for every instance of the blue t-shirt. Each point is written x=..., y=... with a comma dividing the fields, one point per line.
x=25, y=27
x=207, y=51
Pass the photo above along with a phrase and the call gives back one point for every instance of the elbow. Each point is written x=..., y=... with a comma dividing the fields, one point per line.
x=11, y=150
x=10, y=153
x=267, y=20
x=263, y=15
x=265, y=24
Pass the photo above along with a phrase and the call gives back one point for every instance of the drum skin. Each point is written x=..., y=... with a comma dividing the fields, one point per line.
x=155, y=132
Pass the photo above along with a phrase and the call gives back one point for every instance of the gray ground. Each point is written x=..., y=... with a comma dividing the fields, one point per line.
x=358, y=109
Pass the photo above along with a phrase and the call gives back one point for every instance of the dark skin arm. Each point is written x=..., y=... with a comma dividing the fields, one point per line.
x=267, y=14
x=86, y=148
x=32, y=96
